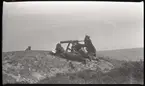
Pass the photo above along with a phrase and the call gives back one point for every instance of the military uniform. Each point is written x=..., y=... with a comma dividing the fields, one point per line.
x=90, y=48
x=59, y=48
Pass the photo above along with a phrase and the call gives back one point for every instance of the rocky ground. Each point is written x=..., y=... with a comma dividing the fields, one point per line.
x=40, y=67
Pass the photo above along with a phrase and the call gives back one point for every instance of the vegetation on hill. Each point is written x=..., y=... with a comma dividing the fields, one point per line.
x=129, y=73
x=33, y=66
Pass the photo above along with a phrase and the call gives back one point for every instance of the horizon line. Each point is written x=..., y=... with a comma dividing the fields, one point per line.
x=97, y=51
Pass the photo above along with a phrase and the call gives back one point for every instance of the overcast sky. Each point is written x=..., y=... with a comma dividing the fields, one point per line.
x=111, y=25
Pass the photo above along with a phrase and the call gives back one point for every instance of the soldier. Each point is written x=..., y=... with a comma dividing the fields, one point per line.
x=59, y=48
x=29, y=48
x=77, y=46
x=90, y=47
x=79, y=49
x=73, y=47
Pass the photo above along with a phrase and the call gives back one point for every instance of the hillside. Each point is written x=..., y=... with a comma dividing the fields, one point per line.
x=133, y=54
x=37, y=66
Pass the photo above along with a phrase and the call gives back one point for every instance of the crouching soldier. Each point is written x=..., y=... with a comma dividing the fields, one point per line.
x=79, y=49
x=59, y=48
x=29, y=48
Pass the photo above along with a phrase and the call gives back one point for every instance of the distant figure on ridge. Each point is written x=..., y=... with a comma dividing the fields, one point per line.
x=29, y=48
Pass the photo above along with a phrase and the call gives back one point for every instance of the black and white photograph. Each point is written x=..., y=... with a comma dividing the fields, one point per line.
x=72, y=42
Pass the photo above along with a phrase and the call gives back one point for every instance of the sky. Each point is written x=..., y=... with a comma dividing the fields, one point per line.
x=41, y=25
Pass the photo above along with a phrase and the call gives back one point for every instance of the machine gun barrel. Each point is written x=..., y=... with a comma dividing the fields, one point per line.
x=71, y=41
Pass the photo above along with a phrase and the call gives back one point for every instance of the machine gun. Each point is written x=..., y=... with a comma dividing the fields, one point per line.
x=70, y=42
